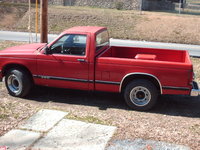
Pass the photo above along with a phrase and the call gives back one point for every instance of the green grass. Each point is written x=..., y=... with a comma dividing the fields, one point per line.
x=89, y=119
x=3, y=116
x=193, y=1
x=6, y=110
x=16, y=4
x=195, y=128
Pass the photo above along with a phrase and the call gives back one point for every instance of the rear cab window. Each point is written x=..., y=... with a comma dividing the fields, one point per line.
x=102, y=41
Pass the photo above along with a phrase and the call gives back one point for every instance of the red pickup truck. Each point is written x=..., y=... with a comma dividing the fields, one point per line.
x=81, y=58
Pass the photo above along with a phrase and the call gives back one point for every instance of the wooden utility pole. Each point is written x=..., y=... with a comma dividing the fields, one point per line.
x=44, y=21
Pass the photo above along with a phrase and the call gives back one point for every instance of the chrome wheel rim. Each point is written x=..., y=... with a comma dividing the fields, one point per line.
x=14, y=84
x=140, y=96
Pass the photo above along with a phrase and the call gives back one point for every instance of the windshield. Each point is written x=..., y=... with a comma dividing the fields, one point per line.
x=102, y=40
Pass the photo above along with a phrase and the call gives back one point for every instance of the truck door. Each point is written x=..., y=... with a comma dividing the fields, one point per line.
x=66, y=65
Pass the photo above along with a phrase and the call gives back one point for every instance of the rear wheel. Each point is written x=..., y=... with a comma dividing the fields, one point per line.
x=18, y=82
x=141, y=94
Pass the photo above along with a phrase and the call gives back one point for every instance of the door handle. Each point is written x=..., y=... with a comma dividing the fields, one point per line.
x=81, y=60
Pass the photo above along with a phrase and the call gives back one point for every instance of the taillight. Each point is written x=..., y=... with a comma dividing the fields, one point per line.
x=191, y=76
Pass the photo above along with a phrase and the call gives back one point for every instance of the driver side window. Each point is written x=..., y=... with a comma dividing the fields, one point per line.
x=70, y=44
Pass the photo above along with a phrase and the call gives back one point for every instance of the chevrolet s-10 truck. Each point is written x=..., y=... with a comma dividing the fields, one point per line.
x=81, y=58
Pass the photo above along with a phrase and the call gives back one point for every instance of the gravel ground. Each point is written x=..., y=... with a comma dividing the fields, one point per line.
x=140, y=144
x=175, y=119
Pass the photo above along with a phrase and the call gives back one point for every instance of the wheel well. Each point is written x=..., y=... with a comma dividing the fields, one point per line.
x=140, y=76
x=17, y=66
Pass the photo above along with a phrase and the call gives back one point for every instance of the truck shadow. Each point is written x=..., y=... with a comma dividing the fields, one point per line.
x=178, y=105
x=172, y=105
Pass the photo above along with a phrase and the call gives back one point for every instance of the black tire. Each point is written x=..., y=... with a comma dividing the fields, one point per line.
x=141, y=94
x=18, y=82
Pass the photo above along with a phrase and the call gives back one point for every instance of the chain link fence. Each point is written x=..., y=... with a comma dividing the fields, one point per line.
x=191, y=7
x=173, y=6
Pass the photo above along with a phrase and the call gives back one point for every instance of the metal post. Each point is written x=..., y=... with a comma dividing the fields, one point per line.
x=29, y=24
x=44, y=21
x=140, y=7
x=179, y=6
x=36, y=19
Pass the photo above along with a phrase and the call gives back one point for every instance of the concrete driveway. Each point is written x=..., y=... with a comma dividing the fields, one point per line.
x=50, y=130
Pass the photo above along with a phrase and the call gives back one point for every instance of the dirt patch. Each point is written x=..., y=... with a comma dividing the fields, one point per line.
x=130, y=24
x=61, y=18
x=149, y=26
x=10, y=15
x=164, y=28
x=5, y=44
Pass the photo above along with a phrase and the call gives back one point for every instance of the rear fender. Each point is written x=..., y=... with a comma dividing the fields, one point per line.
x=140, y=75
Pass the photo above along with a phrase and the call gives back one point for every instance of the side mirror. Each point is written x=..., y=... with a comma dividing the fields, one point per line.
x=47, y=50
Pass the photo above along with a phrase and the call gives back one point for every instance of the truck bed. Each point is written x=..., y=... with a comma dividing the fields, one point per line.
x=116, y=62
x=150, y=54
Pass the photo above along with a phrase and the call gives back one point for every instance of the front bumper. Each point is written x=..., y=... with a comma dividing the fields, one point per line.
x=195, y=89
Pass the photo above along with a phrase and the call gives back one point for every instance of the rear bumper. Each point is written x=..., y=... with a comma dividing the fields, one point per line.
x=0, y=76
x=195, y=89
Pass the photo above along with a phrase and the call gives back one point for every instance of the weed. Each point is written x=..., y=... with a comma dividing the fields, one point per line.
x=195, y=128
x=119, y=5
x=89, y=119
x=3, y=116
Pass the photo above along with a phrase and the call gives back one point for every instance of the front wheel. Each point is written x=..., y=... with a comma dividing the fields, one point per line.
x=18, y=82
x=141, y=94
